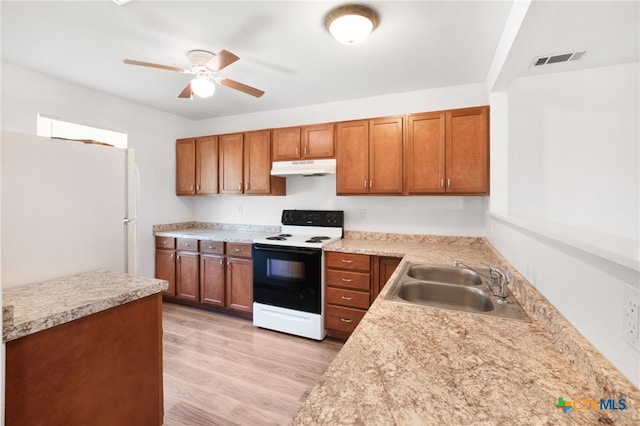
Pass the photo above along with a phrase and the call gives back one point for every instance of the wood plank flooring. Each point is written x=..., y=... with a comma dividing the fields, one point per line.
x=221, y=370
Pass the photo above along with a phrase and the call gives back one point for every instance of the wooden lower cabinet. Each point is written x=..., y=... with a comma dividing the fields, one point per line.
x=217, y=275
x=239, y=285
x=102, y=369
x=352, y=282
x=166, y=263
x=187, y=270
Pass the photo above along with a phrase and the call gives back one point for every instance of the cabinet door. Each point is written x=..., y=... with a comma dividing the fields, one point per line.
x=166, y=269
x=207, y=165
x=352, y=160
x=425, y=150
x=467, y=151
x=212, y=277
x=187, y=276
x=240, y=284
x=185, y=167
x=317, y=141
x=230, y=164
x=386, y=268
x=385, y=156
x=257, y=162
x=286, y=144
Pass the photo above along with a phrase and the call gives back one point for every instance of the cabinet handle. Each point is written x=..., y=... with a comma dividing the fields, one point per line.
x=191, y=187
x=347, y=280
x=164, y=243
x=297, y=151
x=370, y=184
x=240, y=186
x=441, y=183
x=221, y=263
x=448, y=183
x=305, y=150
x=171, y=257
x=346, y=298
x=365, y=183
x=347, y=261
x=346, y=320
x=246, y=186
x=238, y=250
x=211, y=247
x=228, y=265
x=187, y=245
x=198, y=188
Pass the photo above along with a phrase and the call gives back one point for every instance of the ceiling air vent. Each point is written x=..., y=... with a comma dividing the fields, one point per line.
x=554, y=59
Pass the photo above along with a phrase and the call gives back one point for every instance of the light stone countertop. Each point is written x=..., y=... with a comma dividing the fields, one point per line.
x=416, y=365
x=215, y=232
x=34, y=307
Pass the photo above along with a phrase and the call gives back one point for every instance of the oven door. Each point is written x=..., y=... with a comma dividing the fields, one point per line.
x=288, y=277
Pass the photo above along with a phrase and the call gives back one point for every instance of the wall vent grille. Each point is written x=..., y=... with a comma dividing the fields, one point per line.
x=554, y=59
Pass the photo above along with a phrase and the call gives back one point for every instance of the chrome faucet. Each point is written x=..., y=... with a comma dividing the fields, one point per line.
x=497, y=278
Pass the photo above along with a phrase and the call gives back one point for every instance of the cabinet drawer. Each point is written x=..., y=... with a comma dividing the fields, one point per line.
x=356, y=262
x=342, y=319
x=355, y=280
x=186, y=244
x=165, y=242
x=350, y=298
x=239, y=249
x=214, y=247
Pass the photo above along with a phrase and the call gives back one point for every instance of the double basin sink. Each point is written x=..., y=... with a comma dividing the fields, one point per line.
x=452, y=288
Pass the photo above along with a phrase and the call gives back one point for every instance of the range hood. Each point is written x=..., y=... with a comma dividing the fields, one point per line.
x=304, y=167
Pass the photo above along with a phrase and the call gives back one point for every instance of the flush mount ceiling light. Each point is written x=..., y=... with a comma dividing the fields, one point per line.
x=352, y=23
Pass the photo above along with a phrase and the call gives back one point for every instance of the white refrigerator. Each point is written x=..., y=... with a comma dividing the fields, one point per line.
x=67, y=207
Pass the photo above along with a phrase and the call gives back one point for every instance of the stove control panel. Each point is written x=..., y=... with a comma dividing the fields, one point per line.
x=330, y=218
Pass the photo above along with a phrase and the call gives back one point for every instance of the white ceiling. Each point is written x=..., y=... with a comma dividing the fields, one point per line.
x=285, y=50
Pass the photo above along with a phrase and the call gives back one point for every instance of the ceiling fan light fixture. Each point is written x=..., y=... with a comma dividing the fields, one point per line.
x=351, y=24
x=203, y=87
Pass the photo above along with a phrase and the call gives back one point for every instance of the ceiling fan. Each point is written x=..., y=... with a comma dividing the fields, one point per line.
x=205, y=65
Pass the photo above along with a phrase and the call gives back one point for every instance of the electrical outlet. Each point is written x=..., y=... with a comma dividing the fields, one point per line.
x=631, y=312
x=239, y=209
x=363, y=215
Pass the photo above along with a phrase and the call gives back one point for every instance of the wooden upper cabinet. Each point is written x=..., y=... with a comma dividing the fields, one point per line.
x=186, y=166
x=317, y=141
x=385, y=155
x=230, y=163
x=425, y=150
x=257, y=162
x=467, y=150
x=286, y=144
x=207, y=165
x=352, y=159
x=369, y=156
x=307, y=142
x=448, y=152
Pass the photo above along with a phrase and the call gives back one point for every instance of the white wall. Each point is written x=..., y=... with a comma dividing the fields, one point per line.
x=151, y=133
x=573, y=164
x=416, y=214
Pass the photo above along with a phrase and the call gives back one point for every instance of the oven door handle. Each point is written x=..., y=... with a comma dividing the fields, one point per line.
x=299, y=250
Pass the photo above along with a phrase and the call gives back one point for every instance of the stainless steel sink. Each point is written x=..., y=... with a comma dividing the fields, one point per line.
x=444, y=275
x=451, y=288
x=446, y=296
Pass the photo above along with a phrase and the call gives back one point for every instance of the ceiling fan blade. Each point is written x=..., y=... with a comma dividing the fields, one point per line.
x=149, y=64
x=241, y=87
x=222, y=59
x=186, y=92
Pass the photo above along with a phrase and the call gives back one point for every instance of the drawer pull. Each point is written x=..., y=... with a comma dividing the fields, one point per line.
x=347, y=280
x=347, y=261
x=346, y=320
x=238, y=250
x=211, y=247
x=164, y=243
x=346, y=298
x=187, y=245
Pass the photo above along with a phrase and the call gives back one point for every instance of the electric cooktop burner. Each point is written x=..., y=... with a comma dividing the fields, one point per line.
x=276, y=238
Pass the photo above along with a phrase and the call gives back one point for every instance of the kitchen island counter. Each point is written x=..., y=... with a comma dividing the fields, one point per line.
x=35, y=307
x=407, y=364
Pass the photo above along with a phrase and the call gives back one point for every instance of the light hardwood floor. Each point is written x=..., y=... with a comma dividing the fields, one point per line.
x=221, y=370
